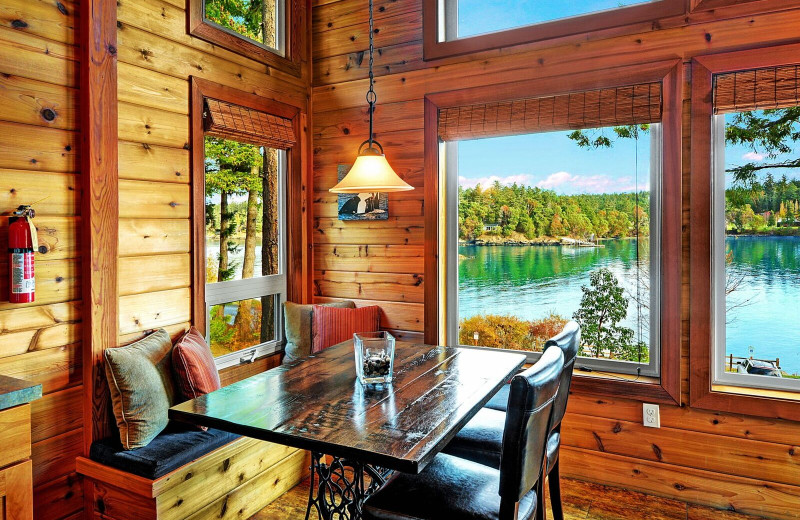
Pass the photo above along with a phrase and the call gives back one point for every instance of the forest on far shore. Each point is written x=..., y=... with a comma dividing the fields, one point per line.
x=765, y=207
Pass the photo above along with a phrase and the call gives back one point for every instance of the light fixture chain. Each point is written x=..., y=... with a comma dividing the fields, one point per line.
x=371, y=96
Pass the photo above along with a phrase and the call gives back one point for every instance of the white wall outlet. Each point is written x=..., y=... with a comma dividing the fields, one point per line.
x=651, y=416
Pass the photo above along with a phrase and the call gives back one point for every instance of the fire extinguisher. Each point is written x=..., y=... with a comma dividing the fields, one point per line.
x=22, y=241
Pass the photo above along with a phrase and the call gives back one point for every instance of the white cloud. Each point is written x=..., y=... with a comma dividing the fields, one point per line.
x=562, y=182
x=565, y=182
x=522, y=179
x=753, y=156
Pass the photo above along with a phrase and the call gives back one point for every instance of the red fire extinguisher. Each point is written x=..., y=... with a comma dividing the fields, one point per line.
x=22, y=242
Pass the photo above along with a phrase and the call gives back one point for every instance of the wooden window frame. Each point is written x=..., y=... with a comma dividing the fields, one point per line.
x=702, y=393
x=670, y=72
x=294, y=46
x=297, y=222
x=577, y=26
x=740, y=7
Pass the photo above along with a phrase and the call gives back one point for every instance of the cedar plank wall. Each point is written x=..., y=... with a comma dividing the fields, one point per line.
x=39, y=160
x=723, y=460
x=156, y=59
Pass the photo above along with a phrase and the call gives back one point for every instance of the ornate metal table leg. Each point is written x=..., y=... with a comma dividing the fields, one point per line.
x=337, y=491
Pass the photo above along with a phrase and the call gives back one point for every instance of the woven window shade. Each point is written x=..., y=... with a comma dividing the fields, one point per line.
x=246, y=125
x=636, y=104
x=770, y=87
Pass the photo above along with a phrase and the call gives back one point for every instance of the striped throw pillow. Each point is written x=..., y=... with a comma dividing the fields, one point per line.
x=193, y=364
x=333, y=325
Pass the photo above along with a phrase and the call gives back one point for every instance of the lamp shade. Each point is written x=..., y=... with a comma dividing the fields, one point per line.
x=371, y=173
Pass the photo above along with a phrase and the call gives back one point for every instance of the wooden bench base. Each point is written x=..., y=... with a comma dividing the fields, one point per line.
x=234, y=481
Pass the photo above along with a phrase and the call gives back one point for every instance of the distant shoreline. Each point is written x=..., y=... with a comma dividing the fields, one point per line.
x=494, y=241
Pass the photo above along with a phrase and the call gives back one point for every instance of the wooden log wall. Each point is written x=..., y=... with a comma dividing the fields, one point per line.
x=39, y=162
x=39, y=125
x=726, y=461
x=156, y=59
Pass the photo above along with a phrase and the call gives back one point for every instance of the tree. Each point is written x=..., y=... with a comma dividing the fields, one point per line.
x=770, y=132
x=230, y=167
x=603, y=306
x=254, y=19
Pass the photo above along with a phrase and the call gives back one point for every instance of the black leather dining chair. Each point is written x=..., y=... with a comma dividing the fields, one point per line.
x=481, y=439
x=451, y=487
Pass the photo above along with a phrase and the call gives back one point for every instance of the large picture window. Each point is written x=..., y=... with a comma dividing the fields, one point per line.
x=556, y=225
x=559, y=229
x=756, y=228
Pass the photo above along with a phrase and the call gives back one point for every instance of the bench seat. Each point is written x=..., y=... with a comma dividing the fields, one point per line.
x=235, y=480
x=171, y=449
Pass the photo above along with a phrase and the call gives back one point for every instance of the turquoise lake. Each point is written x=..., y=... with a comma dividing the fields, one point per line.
x=532, y=281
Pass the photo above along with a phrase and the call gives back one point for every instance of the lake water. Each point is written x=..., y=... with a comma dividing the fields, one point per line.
x=532, y=281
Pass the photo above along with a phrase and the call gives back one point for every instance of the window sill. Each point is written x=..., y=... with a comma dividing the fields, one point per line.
x=786, y=395
x=646, y=389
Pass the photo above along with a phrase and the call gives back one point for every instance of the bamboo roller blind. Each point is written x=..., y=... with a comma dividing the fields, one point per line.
x=769, y=87
x=635, y=104
x=246, y=125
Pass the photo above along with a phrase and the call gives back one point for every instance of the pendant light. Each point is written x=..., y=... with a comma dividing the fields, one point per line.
x=371, y=171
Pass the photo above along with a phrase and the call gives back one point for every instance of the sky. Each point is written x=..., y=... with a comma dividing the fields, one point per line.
x=482, y=16
x=552, y=161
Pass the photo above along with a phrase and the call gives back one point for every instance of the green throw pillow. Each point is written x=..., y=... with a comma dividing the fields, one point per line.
x=297, y=319
x=140, y=378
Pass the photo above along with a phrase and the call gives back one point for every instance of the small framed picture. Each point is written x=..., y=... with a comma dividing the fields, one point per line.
x=361, y=206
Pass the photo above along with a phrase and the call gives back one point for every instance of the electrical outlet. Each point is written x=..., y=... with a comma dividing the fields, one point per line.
x=651, y=416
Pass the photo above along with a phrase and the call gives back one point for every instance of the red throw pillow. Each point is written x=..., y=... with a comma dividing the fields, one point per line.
x=333, y=325
x=194, y=367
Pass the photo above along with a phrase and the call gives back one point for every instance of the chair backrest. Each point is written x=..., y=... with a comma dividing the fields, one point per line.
x=568, y=340
x=528, y=421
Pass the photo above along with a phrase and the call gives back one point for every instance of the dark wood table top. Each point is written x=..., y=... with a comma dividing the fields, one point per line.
x=317, y=404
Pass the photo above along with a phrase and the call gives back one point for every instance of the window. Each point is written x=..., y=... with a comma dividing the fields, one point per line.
x=244, y=246
x=756, y=228
x=257, y=29
x=563, y=223
x=466, y=18
x=463, y=26
x=742, y=226
x=242, y=158
x=258, y=21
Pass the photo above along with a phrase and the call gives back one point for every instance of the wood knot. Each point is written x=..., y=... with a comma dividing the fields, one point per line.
x=617, y=428
x=43, y=250
x=112, y=50
x=59, y=279
x=48, y=114
x=346, y=131
x=679, y=487
x=657, y=452
x=19, y=24
x=62, y=9
x=708, y=37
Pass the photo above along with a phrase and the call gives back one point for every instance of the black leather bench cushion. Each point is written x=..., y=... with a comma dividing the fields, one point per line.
x=171, y=449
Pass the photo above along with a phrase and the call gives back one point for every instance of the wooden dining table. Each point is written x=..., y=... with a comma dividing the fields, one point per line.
x=358, y=435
